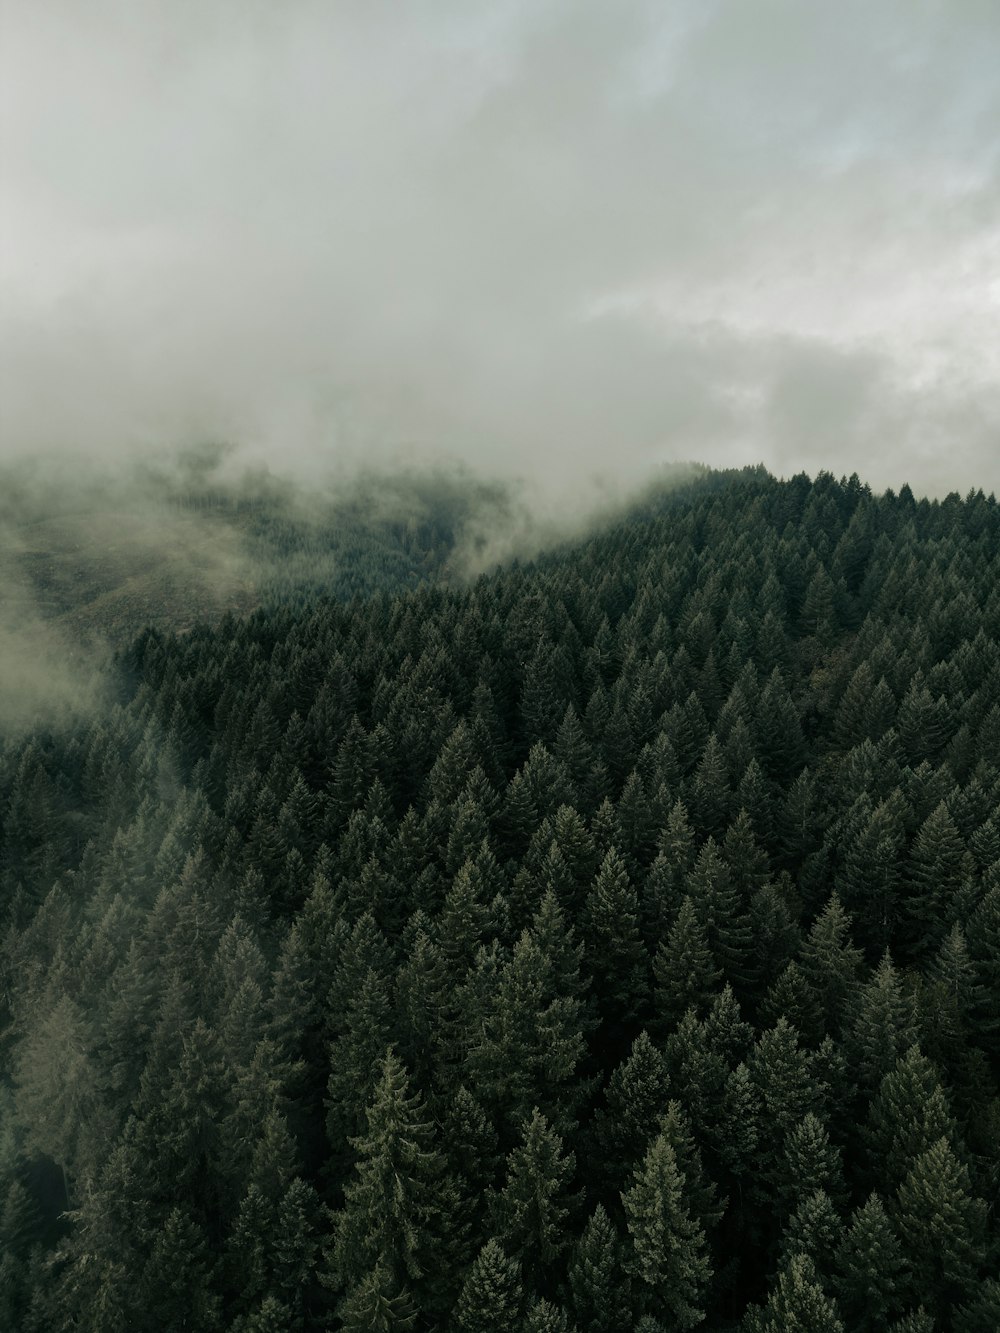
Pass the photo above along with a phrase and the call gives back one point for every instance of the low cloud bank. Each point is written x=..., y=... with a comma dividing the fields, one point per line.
x=558, y=241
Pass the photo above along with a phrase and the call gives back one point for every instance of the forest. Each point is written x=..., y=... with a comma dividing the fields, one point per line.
x=607, y=941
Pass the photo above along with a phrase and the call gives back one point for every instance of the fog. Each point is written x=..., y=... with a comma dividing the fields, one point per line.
x=561, y=241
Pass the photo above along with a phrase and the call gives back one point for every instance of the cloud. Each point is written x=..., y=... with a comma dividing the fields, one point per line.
x=556, y=239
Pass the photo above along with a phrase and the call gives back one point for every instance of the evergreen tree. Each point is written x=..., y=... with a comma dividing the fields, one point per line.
x=937, y=866
x=815, y=1230
x=882, y=1026
x=615, y=955
x=666, y=1255
x=535, y=1204
x=634, y=1100
x=177, y=1282
x=942, y=1228
x=908, y=1116
x=831, y=964
x=395, y=1213
x=684, y=971
x=524, y=1042
x=810, y=1163
x=870, y=1269
x=720, y=912
x=796, y=1303
x=544, y=1317
x=492, y=1296
x=376, y=1304
x=596, y=1283
x=981, y=1313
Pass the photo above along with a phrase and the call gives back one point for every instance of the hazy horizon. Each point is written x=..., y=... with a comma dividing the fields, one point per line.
x=554, y=241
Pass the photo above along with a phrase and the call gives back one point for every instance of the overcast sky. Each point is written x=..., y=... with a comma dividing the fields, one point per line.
x=560, y=238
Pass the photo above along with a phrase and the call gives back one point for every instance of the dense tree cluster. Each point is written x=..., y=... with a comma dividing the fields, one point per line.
x=613, y=944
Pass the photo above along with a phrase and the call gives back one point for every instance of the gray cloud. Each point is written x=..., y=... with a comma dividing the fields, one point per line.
x=560, y=239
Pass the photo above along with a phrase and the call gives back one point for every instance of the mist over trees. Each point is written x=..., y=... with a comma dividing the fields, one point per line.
x=609, y=941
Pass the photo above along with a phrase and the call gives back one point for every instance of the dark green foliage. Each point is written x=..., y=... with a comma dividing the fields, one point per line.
x=907, y=1117
x=882, y=1026
x=942, y=1226
x=797, y=1304
x=666, y=1253
x=595, y=1278
x=615, y=955
x=610, y=943
x=809, y=1163
x=684, y=971
x=870, y=1269
x=492, y=1295
x=634, y=1100
x=397, y=1214
x=815, y=1230
x=534, y=1208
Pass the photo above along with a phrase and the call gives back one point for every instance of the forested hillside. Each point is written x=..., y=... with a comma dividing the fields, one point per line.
x=612, y=944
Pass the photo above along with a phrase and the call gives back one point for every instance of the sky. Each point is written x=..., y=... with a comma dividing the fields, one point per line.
x=555, y=238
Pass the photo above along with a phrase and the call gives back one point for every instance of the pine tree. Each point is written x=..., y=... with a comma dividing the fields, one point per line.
x=779, y=732
x=792, y=998
x=799, y=822
x=535, y=1204
x=470, y=1141
x=720, y=912
x=984, y=947
x=942, y=1227
x=182, y=1131
x=637, y=821
x=176, y=1287
x=921, y=723
x=270, y=1316
x=465, y=920
x=796, y=1303
x=809, y=1163
x=907, y=1117
x=684, y=972
x=292, y=1248
x=882, y=1026
x=634, y=1100
x=747, y=861
x=544, y=1317
x=492, y=1295
x=667, y=1253
x=782, y=1074
x=870, y=1269
x=395, y=1208
x=738, y=1127
x=831, y=964
x=870, y=881
x=953, y=999
x=377, y=1304
x=596, y=1284
x=773, y=934
x=615, y=955
x=711, y=798
x=59, y=1095
x=815, y=1230
x=354, y=1059
x=524, y=1042
x=574, y=751
x=423, y=996
x=981, y=1313
x=697, y=1072
x=700, y=1191
x=663, y=883
x=937, y=866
